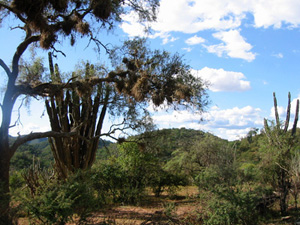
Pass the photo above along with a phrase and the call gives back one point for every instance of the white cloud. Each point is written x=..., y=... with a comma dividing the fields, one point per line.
x=278, y=55
x=132, y=26
x=182, y=16
x=233, y=46
x=275, y=13
x=188, y=49
x=229, y=124
x=221, y=80
x=168, y=39
x=195, y=40
x=191, y=16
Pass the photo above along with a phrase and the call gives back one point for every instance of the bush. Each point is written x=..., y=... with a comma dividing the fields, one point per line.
x=16, y=180
x=57, y=202
x=161, y=180
x=232, y=206
x=111, y=181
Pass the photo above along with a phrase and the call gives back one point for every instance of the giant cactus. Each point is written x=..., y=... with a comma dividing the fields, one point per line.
x=76, y=110
x=281, y=140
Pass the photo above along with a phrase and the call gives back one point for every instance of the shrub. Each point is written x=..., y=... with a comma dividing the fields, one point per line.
x=111, y=181
x=57, y=202
x=232, y=206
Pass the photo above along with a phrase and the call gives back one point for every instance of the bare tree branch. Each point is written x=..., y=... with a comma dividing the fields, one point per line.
x=36, y=135
x=19, y=114
x=20, y=50
x=5, y=67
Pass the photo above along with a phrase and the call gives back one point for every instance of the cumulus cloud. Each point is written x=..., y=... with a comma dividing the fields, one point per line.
x=132, y=26
x=190, y=16
x=229, y=124
x=195, y=40
x=275, y=13
x=234, y=46
x=221, y=80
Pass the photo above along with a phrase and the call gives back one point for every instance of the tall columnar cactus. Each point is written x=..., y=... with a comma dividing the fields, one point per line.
x=76, y=110
x=281, y=140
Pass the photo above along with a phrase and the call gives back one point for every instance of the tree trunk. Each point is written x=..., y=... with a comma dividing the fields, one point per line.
x=4, y=187
x=5, y=152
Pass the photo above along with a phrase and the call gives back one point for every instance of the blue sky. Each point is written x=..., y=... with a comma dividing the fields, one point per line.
x=246, y=50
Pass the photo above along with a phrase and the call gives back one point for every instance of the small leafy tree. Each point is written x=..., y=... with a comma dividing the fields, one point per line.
x=125, y=175
x=193, y=159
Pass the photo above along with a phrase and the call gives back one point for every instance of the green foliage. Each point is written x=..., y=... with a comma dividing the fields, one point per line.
x=127, y=173
x=16, y=180
x=112, y=183
x=191, y=159
x=248, y=171
x=57, y=202
x=123, y=177
x=37, y=150
x=162, y=143
x=161, y=180
x=233, y=206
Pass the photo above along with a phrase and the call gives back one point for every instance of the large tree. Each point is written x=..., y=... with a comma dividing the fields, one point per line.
x=138, y=76
x=45, y=23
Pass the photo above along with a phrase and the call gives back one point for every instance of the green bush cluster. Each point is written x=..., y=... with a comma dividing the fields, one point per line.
x=60, y=201
x=232, y=206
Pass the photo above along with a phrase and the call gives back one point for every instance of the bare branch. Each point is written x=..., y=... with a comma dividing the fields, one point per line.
x=20, y=50
x=98, y=43
x=5, y=67
x=29, y=137
x=19, y=114
x=58, y=51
